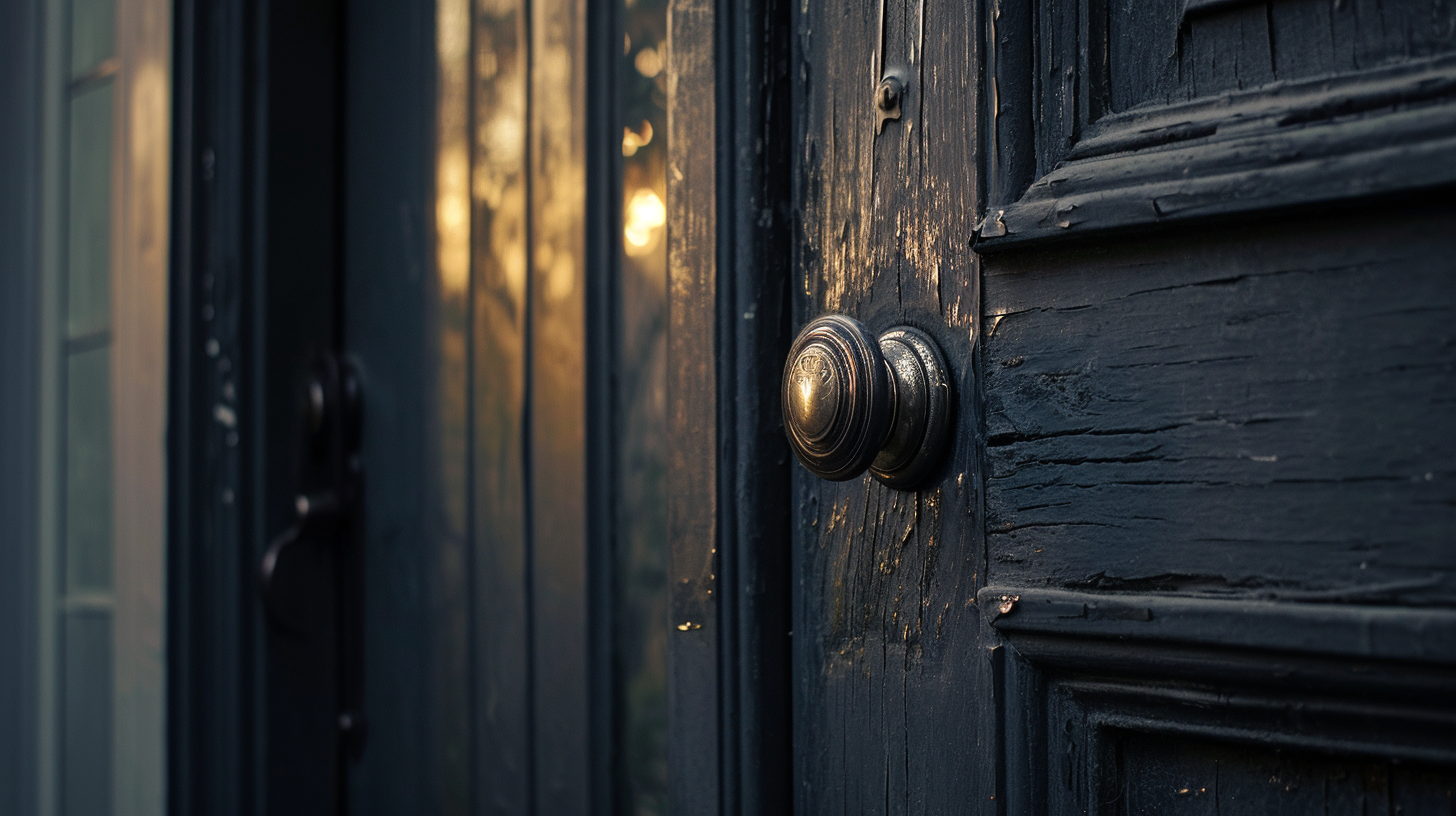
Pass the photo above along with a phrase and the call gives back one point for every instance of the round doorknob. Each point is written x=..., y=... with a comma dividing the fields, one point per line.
x=854, y=402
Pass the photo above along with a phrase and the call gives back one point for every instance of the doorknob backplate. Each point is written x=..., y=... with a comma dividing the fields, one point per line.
x=854, y=402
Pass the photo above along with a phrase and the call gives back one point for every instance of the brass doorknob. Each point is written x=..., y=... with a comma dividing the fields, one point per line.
x=854, y=402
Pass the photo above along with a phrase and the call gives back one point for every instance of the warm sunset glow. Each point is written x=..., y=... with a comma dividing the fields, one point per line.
x=645, y=215
x=648, y=62
x=452, y=158
x=632, y=140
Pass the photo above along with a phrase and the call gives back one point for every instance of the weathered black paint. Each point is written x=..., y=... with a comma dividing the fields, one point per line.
x=391, y=318
x=211, y=642
x=1194, y=522
x=1108, y=114
x=254, y=281
x=729, y=221
x=1214, y=364
x=1269, y=403
x=891, y=708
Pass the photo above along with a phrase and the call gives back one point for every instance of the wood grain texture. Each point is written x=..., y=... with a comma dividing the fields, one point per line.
x=1263, y=411
x=1099, y=745
x=692, y=413
x=1358, y=631
x=730, y=228
x=1112, y=115
x=1172, y=51
x=754, y=311
x=1219, y=451
x=892, y=682
x=1167, y=775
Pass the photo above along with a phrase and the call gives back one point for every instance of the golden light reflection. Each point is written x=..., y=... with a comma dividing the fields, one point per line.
x=501, y=139
x=640, y=403
x=648, y=62
x=452, y=167
x=646, y=215
x=633, y=140
x=452, y=218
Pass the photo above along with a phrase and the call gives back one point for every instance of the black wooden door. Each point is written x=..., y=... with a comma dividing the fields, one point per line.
x=1191, y=262
x=397, y=193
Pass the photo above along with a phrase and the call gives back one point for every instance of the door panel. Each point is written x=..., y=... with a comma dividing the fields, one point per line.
x=294, y=285
x=1201, y=337
x=399, y=323
x=1215, y=111
x=465, y=303
x=891, y=673
x=1218, y=492
x=1256, y=411
x=1231, y=438
x=416, y=190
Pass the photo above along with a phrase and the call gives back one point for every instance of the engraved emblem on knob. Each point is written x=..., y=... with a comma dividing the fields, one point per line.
x=854, y=402
x=816, y=394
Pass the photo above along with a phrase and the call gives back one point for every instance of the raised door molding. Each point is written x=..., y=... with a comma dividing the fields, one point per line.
x=1110, y=114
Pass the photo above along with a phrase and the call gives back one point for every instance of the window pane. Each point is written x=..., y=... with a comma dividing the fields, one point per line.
x=93, y=34
x=88, y=471
x=87, y=712
x=88, y=283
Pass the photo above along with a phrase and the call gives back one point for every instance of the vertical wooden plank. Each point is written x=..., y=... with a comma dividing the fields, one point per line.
x=410, y=324
x=729, y=230
x=693, y=693
x=1011, y=154
x=557, y=405
x=139, y=396
x=1228, y=50
x=290, y=316
x=607, y=653
x=755, y=297
x=213, y=745
x=451, y=576
x=501, y=695
x=893, y=685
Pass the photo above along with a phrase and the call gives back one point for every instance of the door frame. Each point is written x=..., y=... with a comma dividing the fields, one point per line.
x=252, y=228
x=730, y=233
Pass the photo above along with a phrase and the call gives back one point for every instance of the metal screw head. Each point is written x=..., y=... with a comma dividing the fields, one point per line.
x=887, y=96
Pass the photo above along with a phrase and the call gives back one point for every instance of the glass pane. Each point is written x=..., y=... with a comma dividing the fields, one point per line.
x=88, y=471
x=93, y=34
x=641, y=411
x=87, y=712
x=88, y=283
